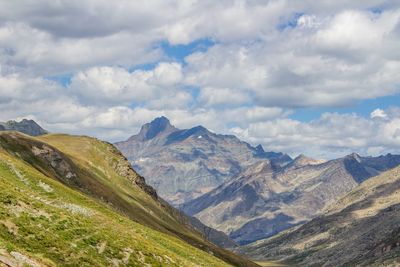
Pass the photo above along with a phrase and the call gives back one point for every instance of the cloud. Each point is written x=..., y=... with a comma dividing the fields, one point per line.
x=341, y=59
x=223, y=96
x=378, y=113
x=115, y=85
x=331, y=135
x=265, y=60
x=28, y=49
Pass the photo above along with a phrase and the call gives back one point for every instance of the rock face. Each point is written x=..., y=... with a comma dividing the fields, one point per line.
x=183, y=164
x=361, y=229
x=25, y=126
x=266, y=198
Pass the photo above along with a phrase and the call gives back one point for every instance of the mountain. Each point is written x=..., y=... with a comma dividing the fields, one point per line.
x=25, y=126
x=303, y=160
x=361, y=229
x=184, y=164
x=76, y=201
x=267, y=198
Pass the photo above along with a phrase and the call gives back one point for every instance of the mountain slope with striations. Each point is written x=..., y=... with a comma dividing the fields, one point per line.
x=75, y=200
x=361, y=229
x=267, y=198
x=183, y=164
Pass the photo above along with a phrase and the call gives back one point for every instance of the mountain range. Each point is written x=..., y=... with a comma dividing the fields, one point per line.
x=241, y=190
x=267, y=198
x=75, y=201
x=183, y=164
x=360, y=229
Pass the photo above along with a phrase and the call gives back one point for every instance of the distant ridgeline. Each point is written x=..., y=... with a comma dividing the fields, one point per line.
x=29, y=127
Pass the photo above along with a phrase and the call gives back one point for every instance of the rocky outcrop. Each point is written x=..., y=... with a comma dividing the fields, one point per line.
x=56, y=160
x=123, y=168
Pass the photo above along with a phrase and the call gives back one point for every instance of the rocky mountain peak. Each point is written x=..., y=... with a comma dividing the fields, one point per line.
x=155, y=127
x=25, y=126
x=354, y=156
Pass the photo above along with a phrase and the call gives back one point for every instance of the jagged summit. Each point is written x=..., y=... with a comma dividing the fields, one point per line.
x=29, y=127
x=155, y=127
x=354, y=156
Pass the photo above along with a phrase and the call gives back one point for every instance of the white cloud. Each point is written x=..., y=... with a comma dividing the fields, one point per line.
x=378, y=113
x=167, y=74
x=29, y=49
x=223, y=96
x=267, y=59
x=308, y=21
x=332, y=135
x=349, y=56
x=114, y=85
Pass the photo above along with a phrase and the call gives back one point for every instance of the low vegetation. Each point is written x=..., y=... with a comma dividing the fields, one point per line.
x=79, y=205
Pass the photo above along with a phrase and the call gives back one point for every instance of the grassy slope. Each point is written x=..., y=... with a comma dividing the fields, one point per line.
x=55, y=225
x=79, y=233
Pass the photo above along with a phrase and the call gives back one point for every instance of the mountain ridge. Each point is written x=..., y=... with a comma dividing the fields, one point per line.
x=267, y=198
x=185, y=163
x=360, y=229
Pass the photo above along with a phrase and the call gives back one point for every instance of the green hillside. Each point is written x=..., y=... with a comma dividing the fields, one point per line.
x=75, y=201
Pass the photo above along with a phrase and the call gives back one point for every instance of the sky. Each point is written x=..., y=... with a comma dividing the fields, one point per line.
x=320, y=78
